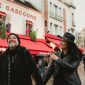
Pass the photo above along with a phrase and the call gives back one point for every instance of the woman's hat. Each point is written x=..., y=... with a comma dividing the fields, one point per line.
x=15, y=35
x=69, y=37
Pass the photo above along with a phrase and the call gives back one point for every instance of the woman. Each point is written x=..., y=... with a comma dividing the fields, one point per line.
x=64, y=65
x=17, y=65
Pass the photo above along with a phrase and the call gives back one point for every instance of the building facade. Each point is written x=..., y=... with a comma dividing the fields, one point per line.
x=81, y=39
x=22, y=16
x=59, y=16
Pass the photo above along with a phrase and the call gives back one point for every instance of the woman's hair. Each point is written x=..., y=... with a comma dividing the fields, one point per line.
x=74, y=50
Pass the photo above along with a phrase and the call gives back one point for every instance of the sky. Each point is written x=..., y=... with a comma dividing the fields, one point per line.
x=80, y=14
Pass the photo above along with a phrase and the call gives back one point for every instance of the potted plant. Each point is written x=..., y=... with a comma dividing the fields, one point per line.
x=32, y=35
x=2, y=29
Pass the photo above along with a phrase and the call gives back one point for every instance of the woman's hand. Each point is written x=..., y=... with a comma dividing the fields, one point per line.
x=54, y=57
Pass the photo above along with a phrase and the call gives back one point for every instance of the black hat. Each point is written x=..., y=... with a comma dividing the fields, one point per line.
x=15, y=35
x=69, y=37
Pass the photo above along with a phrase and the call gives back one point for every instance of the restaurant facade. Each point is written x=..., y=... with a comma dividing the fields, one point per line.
x=19, y=18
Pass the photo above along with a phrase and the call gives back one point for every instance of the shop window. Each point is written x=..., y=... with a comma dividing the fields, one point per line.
x=2, y=16
x=29, y=25
x=8, y=27
x=5, y=18
x=8, y=23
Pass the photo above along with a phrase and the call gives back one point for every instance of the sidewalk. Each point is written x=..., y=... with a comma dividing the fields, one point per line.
x=81, y=73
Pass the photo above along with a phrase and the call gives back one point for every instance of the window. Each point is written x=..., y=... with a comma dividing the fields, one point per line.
x=73, y=22
x=72, y=16
x=50, y=9
x=61, y=31
x=59, y=8
x=56, y=29
x=50, y=6
x=50, y=27
x=56, y=9
x=29, y=25
x=45, y=23
x=60, y=11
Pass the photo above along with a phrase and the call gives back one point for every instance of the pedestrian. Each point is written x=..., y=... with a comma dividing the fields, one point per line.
x=41, y=65
x=17, y=65
x=64, y=66
x=84, y=60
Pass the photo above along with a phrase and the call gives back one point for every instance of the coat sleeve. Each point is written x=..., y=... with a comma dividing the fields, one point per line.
x=48, y=73
x=66, y=65
x=34, y=69
x=1, y=77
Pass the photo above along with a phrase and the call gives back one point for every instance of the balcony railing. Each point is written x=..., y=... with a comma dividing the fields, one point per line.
x=56, y=16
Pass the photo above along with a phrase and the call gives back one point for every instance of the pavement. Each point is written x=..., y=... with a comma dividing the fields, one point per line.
x=81, y=72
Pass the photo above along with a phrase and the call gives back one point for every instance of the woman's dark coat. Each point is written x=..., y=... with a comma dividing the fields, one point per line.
x=22, y=69
x=64, y=71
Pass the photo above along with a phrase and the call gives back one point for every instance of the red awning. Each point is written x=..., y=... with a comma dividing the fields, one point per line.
x=34, y=51
x=36, y=46
x=3, y=43
x=57, y=42
x=52, y=36
x=2, y=13
x=20, y=36
x=54, y=39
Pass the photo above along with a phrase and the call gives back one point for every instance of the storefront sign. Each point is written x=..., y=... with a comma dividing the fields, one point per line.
x=17, y=11
x=22, y=13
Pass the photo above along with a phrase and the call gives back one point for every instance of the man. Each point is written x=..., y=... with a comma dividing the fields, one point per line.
x=17, y=65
